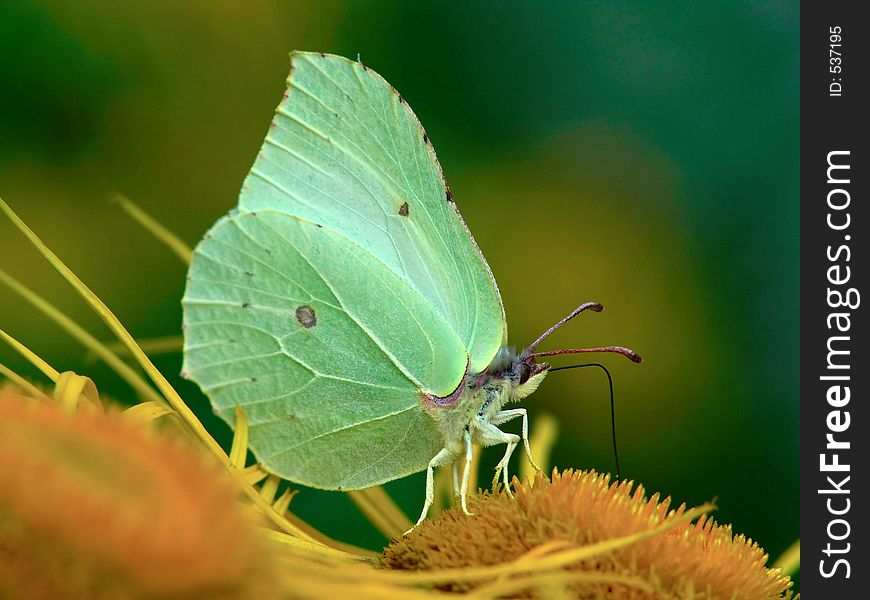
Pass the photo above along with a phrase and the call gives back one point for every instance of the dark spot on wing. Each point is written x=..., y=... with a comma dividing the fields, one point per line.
x=322, y=54
x=402, y=99
x=267, y=251
x=306, y=317
x=253, y=379
x=249, y=274
x=403, y=210
x=449, y=195
x=245, y=304
x=425, y=138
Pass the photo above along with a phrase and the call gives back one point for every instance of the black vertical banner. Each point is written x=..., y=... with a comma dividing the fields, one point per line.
x=835, y=65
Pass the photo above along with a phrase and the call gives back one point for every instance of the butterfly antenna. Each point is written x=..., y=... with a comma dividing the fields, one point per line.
x=593, y=306
x=612, y=406
x=585, y=306
x=626, y=352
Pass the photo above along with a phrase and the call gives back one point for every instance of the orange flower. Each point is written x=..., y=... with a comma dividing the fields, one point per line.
x=92, y=507
x=580, y=508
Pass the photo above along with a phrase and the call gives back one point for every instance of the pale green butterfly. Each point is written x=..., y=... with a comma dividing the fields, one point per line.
x=344, y=304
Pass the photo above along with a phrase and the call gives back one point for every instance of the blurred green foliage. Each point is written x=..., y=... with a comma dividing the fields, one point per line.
x=644, y=155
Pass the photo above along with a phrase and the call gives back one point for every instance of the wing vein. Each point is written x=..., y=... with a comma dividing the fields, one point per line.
x=368, y=162
x=337, y=430
x=359, y=324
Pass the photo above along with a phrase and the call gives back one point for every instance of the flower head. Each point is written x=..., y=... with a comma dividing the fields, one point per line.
x=582, y=508
x=93, y=507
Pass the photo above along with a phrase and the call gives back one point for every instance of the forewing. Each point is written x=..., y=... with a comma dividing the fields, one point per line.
x=347, y=152
x=325, y=348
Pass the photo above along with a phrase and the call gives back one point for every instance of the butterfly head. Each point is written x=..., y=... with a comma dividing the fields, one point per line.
x=521, y=370
x=528, y=374
x=524, y=371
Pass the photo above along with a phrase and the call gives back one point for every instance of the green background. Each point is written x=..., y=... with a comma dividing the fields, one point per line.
x=644, y=155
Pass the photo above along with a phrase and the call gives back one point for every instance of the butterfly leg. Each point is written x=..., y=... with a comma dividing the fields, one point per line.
x=455, y=480
x=463, y=494
x=439, y=460
x=489, y=435
x=505, y=416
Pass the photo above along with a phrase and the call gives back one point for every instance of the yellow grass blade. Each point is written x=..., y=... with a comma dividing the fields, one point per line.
x=381, y=500
x=166, y=344
x=31, y=357
x=73, y=391
x=146, y=412
x=351, y=553
x=254, y=474
x=270, y=488
x=373, y=513
x=790, y=561
x=542, y=438
x=169, y=239
x=475, y=469
x=123, y=370
x=239, y=449
x=509, y=588
x=283, y=503
x=20, y=382
x=443, y=492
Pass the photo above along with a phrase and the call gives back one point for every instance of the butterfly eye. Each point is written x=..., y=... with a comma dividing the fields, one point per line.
x=525, y=371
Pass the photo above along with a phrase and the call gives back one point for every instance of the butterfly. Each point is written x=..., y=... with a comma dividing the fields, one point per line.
x=345, y=306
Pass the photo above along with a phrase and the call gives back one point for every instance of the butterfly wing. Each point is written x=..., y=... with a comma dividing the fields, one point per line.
x=343, y=289
x=346, y=151
x=324, y=347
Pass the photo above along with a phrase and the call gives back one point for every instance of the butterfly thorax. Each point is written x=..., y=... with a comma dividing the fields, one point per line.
x=510, y=377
